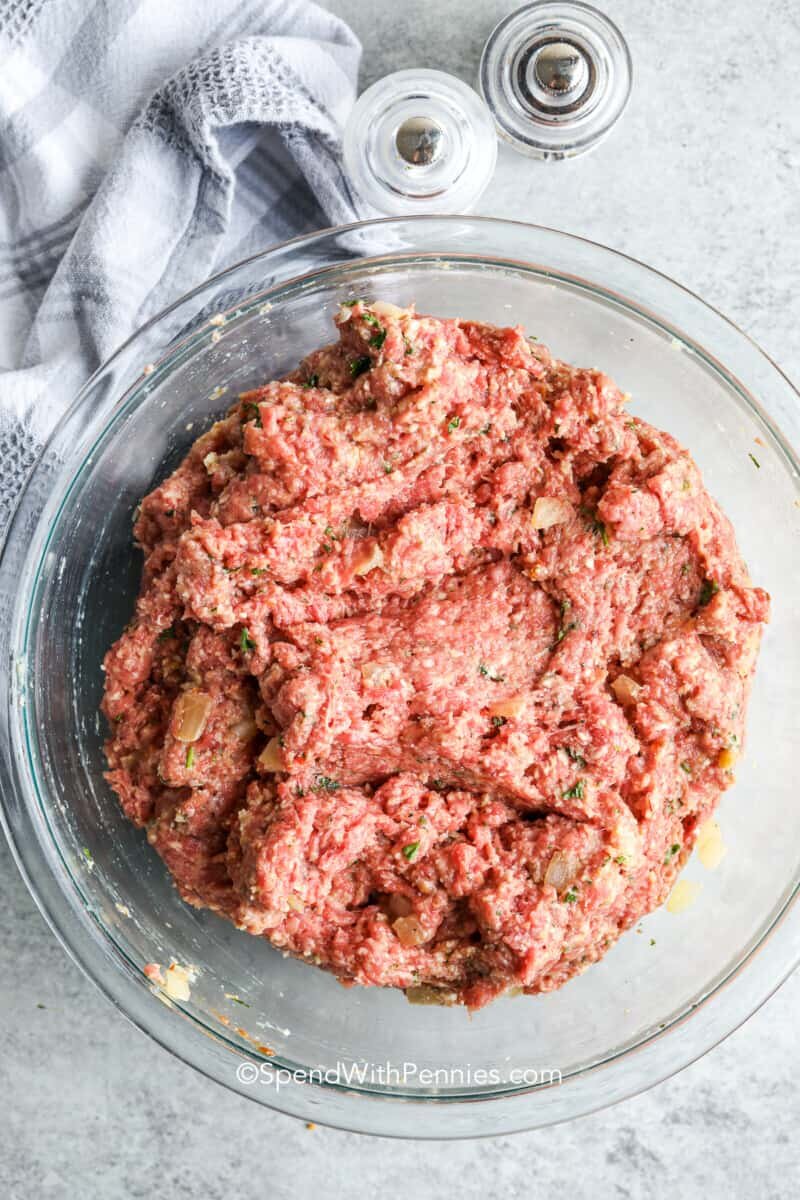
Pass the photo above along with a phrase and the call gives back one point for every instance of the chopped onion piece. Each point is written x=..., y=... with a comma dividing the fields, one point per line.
x=626, y=690
x=710, y=848
x=192, y=709
x=424, y=993
x=295, y=903
x=683, y=895
x=409, y=931
x=549, y=511
x=367, y=558
x=176, y=984
x=382, y=308
x=271, y=757
x=560, y=870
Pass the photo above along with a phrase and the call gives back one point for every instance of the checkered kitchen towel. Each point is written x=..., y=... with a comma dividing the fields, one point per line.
x=145, y=144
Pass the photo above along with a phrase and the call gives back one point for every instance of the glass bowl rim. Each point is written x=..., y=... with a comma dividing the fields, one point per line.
x=76, y=941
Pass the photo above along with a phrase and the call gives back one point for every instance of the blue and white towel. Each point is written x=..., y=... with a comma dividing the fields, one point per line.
x=143, y=146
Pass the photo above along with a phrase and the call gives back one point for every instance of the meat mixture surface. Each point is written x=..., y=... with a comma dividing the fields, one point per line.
x=441, y=658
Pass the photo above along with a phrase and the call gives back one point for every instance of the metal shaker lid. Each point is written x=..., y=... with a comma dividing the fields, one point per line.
x=556, y=75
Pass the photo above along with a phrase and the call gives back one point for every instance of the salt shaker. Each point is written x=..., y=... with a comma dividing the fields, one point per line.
x=419, y=141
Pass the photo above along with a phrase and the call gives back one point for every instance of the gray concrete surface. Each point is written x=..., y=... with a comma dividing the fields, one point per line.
x=701, y=180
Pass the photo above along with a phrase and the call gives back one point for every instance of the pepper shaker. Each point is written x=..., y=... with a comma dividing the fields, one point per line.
x=419, y=141
x=556, y=76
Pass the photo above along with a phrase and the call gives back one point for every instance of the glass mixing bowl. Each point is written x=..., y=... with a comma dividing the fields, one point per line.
x=363, y=1058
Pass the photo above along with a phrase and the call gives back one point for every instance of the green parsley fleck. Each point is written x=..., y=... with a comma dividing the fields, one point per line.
x=489, y=674
x=498, y=722
x=246, y=643
x=379, y=337
x=189, y=758
x=685, y=766
x=566, y=626
x=359, y=365
x=312, y=381
x=621, y=859
x=252, y=412
x=652, y=941
x=673, y=850
x=410, y=851
x=576, y=757
x=594, y=523
x=87, y=854
x=453, y=424
x=754, y=460
x=325, y=784
x=571, y=896
x=710, y=588
x=407, y=343
x=576, y=792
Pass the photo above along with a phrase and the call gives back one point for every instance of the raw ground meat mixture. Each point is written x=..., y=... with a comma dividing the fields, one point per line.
x=440, y=660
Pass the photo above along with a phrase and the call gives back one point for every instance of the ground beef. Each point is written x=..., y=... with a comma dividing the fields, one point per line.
x=440, y=659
